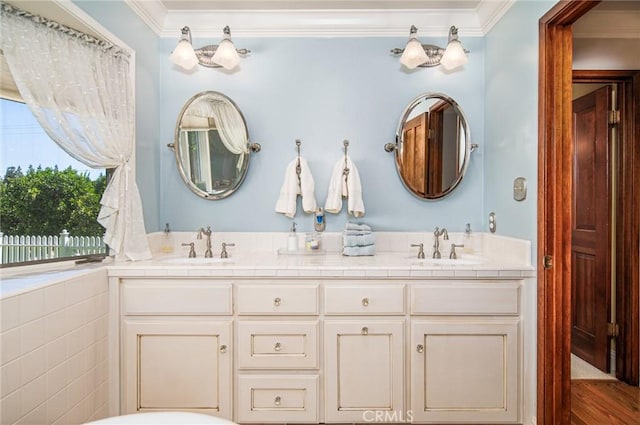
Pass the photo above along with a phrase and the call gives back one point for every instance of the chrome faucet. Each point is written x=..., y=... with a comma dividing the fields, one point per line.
x=224, y=253
x=436, y=242
x=207, y=253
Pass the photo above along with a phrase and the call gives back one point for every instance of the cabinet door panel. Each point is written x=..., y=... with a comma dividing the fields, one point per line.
x=177, y=365
x=465, y=371
x=364, y=368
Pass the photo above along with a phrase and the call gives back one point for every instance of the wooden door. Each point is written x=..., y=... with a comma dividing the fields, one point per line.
x=364, y=370
x=172, y=364
x=414, y=153
x=590, y=239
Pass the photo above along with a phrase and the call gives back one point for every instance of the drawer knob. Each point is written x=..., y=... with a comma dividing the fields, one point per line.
x=223, y=349
x=365, y=302
x=277, y=301
x=277, y=347
x=365, y=330
x=277, y=401
x=420, y=348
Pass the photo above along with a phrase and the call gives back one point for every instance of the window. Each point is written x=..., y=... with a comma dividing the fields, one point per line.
x=49, y=202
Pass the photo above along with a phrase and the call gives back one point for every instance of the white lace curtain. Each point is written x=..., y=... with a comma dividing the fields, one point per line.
x=81, y=92
x=229, y=123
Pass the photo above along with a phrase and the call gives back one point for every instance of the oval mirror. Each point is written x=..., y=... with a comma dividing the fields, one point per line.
x=432, y=146
x=212, y=146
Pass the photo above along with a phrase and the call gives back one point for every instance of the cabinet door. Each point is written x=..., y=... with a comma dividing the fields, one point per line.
x=364, y=370
x=465, y=371
x=177, y=365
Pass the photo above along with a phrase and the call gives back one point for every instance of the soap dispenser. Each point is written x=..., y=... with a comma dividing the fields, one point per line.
x=468, y=240
x=167, y=240
x=292, y=240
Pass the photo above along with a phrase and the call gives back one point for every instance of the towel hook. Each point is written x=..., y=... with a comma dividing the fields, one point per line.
x=345, y=171
x=298, y=166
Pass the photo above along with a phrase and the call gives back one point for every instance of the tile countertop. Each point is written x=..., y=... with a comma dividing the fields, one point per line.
x=510, y=258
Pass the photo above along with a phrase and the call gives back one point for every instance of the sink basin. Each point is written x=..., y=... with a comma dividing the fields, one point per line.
x=198, y=261
x=468, y=260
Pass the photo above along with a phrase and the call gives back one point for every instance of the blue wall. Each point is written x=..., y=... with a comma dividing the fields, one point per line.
x=118, y=18
x=320, y=90
x=511, y=118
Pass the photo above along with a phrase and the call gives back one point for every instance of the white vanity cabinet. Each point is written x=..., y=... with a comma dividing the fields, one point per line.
x=364, y=351
x=465, y=352
x=176, y=338
x=278, y=340
x=322, y=350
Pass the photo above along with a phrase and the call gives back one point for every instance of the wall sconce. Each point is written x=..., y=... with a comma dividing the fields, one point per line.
x=223, y=55
x=426, y=55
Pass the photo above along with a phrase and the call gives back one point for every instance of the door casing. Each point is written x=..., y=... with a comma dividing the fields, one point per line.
x=554, y=215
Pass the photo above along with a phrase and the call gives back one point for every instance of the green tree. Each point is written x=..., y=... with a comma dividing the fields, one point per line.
x=46, y=201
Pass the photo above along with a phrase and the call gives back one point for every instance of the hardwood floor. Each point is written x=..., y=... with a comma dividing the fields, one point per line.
x=597, y=402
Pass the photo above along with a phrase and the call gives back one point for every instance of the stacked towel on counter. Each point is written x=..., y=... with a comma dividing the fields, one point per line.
x=358, y=240
x=349, y=187
x=291, y=188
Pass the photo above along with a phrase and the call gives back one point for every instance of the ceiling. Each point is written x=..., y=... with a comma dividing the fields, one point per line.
x=318, y=18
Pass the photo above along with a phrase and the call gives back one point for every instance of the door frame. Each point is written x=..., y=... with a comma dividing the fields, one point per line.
x=555, y=155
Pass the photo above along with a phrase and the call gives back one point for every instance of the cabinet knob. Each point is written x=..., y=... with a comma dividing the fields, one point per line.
x=277, y=347
x=420, y=348
x=277, y=401
x=365, y=302
x=277, y=301
x=365, y=330
x=223, y=349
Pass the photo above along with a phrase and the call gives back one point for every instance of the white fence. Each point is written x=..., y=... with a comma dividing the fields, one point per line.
x=15, y=249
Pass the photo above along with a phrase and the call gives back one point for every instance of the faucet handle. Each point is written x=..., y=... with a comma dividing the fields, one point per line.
x=452, y=254
x=192, y=250
x=224, y=253
x=420, y=251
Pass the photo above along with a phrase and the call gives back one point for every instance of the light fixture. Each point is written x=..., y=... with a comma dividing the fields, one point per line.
x=427, y=55
x=223, y=55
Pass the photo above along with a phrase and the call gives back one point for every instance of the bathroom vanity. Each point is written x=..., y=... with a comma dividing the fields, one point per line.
x=321, y=339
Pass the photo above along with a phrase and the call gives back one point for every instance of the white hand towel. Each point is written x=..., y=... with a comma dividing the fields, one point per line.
x=339, y=188
x=291, y=188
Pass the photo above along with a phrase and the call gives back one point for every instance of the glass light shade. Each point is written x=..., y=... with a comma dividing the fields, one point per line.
x=184, y=55
x=226, y=55
x=454, y=55
x=413, y=54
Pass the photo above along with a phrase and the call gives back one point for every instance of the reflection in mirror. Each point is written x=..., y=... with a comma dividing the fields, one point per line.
x=432, y=146
x=212, y=145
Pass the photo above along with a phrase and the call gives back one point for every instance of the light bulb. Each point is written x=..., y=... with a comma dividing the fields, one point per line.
x=183, y=55
x=413, y=54
x=454, y=56
x=226, y=55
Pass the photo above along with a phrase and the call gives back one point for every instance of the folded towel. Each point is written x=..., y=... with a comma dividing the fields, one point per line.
x=358, y=240
x=357, y=251
x=359, y=227
x=348, y=186
x=291, y=188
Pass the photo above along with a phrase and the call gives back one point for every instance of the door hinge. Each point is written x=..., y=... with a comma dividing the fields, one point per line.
x=614, y=117
x=547, y=261
x=613, y=330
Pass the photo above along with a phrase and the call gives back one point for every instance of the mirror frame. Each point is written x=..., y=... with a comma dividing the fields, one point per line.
x=399, y=139
x=252, y=147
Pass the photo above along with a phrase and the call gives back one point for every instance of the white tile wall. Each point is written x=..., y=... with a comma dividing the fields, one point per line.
x=53, y=357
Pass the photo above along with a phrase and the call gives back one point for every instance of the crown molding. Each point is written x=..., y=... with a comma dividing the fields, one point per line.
x=474, y=22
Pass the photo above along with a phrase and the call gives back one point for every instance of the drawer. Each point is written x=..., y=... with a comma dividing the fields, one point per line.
x=364, y=299
x=277, y=398
x=459, y=297
x=277, y=299
x=278, y=345
x=176, y=297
